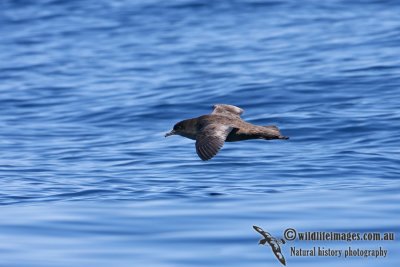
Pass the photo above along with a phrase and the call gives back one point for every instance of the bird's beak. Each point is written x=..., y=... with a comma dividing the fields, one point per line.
x=170, y=133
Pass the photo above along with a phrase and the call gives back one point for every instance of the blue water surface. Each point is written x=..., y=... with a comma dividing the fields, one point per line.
x=89, y=88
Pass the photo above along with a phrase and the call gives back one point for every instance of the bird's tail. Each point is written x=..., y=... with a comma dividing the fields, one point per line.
x=274, y=133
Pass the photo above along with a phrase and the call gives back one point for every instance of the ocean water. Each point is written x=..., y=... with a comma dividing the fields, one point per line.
x=89, y=88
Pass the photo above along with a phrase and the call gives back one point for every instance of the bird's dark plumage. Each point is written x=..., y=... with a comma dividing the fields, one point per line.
x=224, y=124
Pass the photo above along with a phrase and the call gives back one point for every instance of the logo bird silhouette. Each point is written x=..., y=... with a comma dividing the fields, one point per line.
x=273, y=242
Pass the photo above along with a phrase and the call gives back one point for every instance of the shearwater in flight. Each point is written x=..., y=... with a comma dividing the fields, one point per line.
x=224, y=124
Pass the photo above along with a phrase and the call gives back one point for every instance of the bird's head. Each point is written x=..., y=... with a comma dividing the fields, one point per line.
x=178, y=128
x=185, y=128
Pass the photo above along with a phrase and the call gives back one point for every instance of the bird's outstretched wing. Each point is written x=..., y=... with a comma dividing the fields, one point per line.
x=273, y=242
x=276, y=249
x=210, y=140
x=227, y=110
x=262, y=232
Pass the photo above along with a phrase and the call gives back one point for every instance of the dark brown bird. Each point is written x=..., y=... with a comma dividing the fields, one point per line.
x=224, y=124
